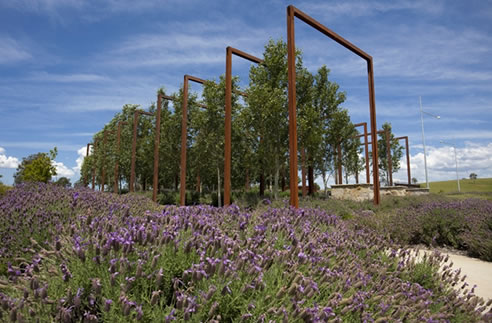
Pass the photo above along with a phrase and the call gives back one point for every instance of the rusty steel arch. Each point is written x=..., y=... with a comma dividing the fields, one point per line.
x=293, y=12
x=228, y=115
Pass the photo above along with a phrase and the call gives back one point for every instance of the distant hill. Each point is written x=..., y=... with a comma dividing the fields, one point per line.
x=467, y=186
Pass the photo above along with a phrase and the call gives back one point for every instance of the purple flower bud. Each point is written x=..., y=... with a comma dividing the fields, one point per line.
x=107, y=305
x=210, y=293
x=96, y=286
x=138, y=272
x=213, y=309
x=13, y=314
x=126, y=309
x=158, y=278
x=139, y=312
x=44, y=292
x=155, y=297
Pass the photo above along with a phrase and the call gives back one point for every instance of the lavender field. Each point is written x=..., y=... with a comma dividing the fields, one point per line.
x=74, y=255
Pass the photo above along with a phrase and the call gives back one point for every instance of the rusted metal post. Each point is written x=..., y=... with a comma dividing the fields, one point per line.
x=228, y=115
x=184, y=123
x=294, y=12
x=408, y=157
x=372, y=103
x=291, y=64
x=116, y=166
x=155, y=184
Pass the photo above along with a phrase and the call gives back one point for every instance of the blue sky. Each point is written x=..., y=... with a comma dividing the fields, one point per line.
x=67, y=66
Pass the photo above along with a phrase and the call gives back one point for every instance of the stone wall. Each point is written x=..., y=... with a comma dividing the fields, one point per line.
x=363, y=192
x=393, y=191
x=355, y=192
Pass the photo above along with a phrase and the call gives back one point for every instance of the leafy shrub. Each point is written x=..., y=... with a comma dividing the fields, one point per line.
x=465, y=225
x=168, y=198
x=192, y=198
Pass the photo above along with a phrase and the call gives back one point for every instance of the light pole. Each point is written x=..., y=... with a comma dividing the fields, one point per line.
x=456, y=162
x=423, y=138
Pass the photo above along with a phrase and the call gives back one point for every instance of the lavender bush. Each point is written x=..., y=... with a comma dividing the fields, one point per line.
x=83, y=256
x=460, y=224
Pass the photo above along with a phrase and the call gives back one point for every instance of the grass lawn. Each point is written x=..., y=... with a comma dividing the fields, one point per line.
x=481, y=187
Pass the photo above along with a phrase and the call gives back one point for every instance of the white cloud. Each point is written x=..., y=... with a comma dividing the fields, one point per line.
x=11, y=51
x=62, y=170
x=80, y=159
x=182, y=47
x=7, y=161
x=441, y=164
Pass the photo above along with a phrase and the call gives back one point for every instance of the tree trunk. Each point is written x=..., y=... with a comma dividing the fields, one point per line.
x=357, y=176
x=198, y=183
x=262, y=184
x=311, y=179
x=246, y=185
x=325, y=180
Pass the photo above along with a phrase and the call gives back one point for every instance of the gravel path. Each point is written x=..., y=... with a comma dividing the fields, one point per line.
x=478, y=272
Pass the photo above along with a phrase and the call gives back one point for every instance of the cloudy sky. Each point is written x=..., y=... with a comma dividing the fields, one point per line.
x=67, y=66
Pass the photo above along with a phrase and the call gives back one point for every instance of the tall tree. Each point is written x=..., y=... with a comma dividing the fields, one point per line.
x=36, y=168
x=267, y=108
x=327, y=100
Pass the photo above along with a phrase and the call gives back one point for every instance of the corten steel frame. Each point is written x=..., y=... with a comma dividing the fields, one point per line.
x=228, y=115
x=136, y=114
x=184, y=131
x=293, y=12
x=408, y=157
x=116, y=165
x=155, y=184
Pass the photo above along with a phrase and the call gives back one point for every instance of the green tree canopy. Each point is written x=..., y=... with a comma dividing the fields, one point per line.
x=64, y=182
x=36, y=168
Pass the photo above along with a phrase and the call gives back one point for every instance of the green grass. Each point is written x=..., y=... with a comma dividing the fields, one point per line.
x=468, y=186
